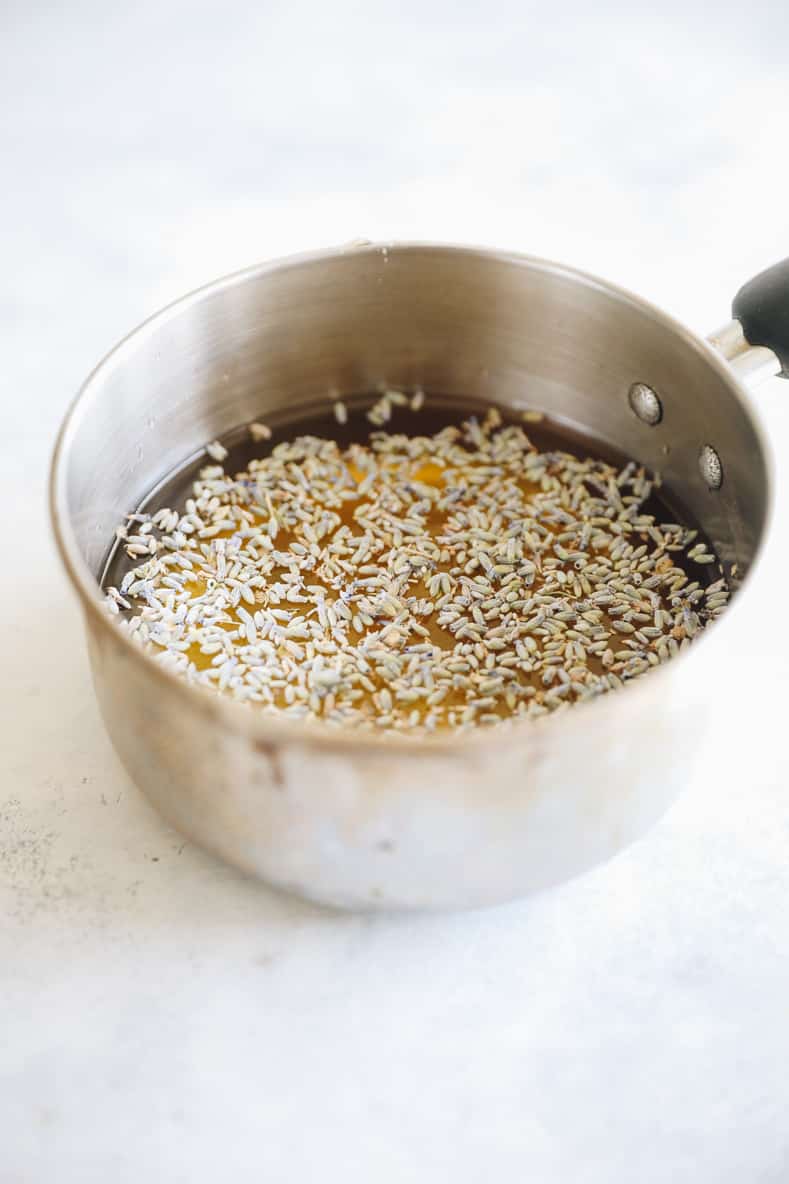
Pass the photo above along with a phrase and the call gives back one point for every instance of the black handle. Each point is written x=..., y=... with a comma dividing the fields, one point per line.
x=762, y=308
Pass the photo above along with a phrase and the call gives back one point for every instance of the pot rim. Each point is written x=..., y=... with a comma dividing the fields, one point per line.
x=267, y=729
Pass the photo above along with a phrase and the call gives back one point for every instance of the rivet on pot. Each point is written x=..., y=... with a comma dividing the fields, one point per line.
x=645, y=403
x=710, y=467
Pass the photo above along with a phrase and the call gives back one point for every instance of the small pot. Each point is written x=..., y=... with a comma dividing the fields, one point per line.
x=351, y=819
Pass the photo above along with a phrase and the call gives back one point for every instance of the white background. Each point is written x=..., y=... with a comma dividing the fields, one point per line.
x=162, y=1018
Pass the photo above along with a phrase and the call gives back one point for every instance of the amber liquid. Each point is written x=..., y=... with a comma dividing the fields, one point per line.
x=319, y=420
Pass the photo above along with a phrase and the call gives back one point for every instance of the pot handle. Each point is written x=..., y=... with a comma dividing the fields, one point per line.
x=762, y=308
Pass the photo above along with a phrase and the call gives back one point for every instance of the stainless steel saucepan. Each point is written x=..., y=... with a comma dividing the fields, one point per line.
x=364, y=821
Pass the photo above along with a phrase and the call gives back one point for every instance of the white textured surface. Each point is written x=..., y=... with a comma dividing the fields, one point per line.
x=165, y=1019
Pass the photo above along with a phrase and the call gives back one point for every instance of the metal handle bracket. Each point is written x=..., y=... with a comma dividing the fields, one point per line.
x=753, y=364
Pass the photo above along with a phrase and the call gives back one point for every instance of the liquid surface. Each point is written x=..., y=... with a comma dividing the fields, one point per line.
x=419, y=571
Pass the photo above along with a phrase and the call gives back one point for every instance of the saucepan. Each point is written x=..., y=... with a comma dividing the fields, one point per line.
x=362, y=821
